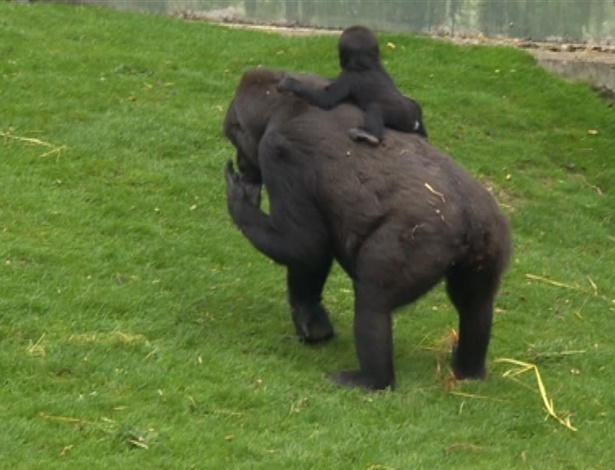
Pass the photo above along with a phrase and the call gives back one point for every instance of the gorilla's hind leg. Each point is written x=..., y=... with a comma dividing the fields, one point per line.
x=472, y=291
x=304, y=295
x=373, y=338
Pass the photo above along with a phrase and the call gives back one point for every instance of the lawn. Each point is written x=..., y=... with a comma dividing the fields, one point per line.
x=139, y=328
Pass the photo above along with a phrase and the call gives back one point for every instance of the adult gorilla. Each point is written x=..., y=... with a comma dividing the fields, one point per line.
x=398, y=218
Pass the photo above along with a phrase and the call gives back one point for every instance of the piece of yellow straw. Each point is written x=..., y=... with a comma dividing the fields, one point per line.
x=548, y=403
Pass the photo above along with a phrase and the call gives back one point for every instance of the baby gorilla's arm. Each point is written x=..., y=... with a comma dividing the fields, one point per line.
x=324, y=98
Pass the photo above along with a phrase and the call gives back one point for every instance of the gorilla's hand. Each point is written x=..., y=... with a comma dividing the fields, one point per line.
x=252, y=191
x=287, y=84
x=239, y=192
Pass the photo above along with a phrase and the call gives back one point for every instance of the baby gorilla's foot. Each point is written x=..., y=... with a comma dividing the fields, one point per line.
x=358, y=134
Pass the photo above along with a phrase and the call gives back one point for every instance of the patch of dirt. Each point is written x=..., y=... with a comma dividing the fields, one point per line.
x=602, y=53
x=507, y=200
x=590, y=63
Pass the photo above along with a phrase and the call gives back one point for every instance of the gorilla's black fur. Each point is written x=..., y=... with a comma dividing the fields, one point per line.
x=398, y=218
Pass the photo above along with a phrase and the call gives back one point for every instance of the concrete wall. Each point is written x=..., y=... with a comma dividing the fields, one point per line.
x=590, y=21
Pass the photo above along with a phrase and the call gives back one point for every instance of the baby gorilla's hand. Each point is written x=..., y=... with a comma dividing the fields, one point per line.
x=287, y=84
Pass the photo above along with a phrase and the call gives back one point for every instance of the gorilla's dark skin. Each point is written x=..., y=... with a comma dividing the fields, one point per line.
x=398, y=218
x=365, y=83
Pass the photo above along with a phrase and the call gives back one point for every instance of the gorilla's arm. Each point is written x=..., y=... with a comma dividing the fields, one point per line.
x=245, y=213
x=294, y=233
x=325, y=98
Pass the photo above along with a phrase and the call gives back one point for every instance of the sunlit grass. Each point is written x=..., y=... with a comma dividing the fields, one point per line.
x=138, y=327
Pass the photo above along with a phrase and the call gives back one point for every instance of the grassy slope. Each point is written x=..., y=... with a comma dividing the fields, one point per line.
x=133, y=315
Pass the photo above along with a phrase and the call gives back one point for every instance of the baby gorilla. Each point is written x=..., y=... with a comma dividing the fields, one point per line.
x=363, y=82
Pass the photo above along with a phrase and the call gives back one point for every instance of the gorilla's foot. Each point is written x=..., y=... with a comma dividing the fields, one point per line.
x=356, y=378
x=358, y=134
x=465, y=369
x=312, y=324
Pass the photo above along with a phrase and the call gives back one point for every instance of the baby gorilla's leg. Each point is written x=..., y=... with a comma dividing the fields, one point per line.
x=372, y=129
x=358, y=134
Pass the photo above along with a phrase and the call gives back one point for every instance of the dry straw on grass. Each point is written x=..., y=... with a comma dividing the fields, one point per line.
x=594, y=292
x=65, y=419
x=38, y=348
x=55, y=149
x=523, y=367
x=443, y=346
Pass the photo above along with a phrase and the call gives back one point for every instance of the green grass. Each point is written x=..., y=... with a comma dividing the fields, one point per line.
x=138, y=327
